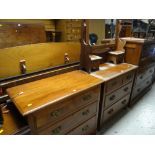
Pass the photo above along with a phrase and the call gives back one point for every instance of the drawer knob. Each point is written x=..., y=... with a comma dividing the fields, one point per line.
x=110, y=111
x=55, y=113
x=86, y=97
x=85, y=112
x=147, y=82
x=124, y=101
x=85, y=128
x=141, y=77
x=150, y=71
x=112, y=97
x=138, y=90
x=56, y=130
x=126, y=89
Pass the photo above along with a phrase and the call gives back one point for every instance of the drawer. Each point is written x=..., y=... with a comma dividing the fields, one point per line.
x=66, y=125
x=150, y=71
x=128, y=77
x=141, y=77
x=139, y=88
x=116, y=107
x=56, y=112
x=113, y=84
x=86, y=128
x=116, y=95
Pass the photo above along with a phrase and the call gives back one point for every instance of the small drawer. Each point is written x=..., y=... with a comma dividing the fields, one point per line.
x=113, y=84
x=116, y=107
x=56, y=112
x=139, y=88
x=86, y=128
x=116, y=95
x=150, y=71
x=66, y=125
x=128, y=77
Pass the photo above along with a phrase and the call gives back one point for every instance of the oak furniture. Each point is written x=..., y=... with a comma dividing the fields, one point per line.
x=63, y=104
x=116, y=88
x=141, y=52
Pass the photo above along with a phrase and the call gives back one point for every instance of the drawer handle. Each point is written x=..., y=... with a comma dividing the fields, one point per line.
x=85, y=112
x=150, y=71
x=147, y=82
x=86, y=97
x=112, y=97
x=124, y=101
x=110, y=111
x=141, y=77
x=85, y=128
x=126, y=89
x=56, y=130
x=138, y=90
x=55, y=114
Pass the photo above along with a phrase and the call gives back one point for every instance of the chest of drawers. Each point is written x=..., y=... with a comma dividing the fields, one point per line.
x=141, y=52
x=63, y=104
x=116, y=90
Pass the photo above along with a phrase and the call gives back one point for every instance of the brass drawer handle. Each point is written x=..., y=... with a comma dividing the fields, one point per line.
x=87, y=97
x=85, y=112
x=126, y=89
x=112, y=97
x=56, y=130
x=55, y=113
x=124, y=101
x=85, y=128
x=110, y=111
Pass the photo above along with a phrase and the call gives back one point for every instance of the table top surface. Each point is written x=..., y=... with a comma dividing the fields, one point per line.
x=33, y=96
x=109, y=71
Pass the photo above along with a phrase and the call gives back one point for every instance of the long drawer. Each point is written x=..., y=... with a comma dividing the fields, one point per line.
x=139, y=88
x=116, y=107
x=142, y=76
x=64, y=126
x=56, y=112
x=86, y=128
x=117, y=82
x=116, y=95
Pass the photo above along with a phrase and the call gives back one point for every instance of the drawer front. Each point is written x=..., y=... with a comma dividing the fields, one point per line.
x=113, y=84
x=139, y=88
x=128, y=77
x=116, y=107
x=147, y=73
x=150, y=71
x=64, y=126
x=116, y=95
x=86, y=128
x=56, y=112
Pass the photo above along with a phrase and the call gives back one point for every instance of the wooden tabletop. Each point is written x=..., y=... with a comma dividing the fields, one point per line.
x=109, y=71
x=33, y=96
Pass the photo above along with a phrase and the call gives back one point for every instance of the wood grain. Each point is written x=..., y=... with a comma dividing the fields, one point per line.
x=110, y=71
x=33, y=96
x=37, y=57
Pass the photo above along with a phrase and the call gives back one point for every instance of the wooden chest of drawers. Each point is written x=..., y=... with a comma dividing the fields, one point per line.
x=141, y=52
x=116, y=91
x=63, y=104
